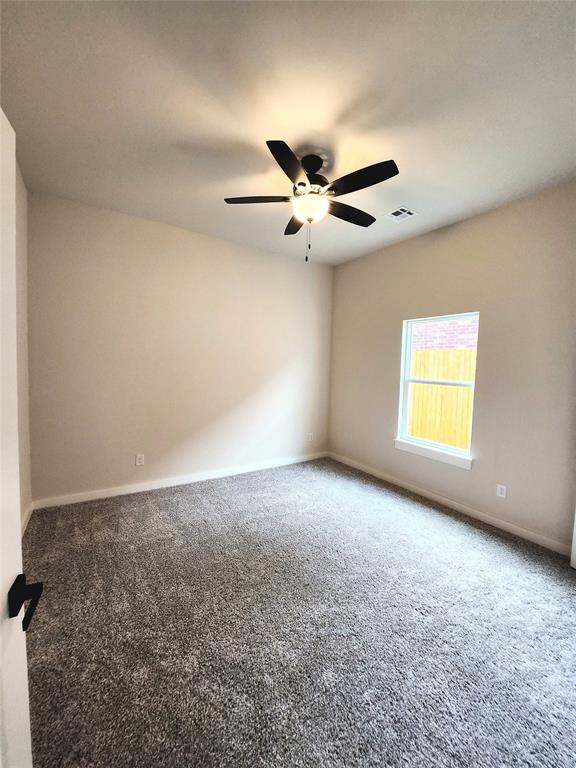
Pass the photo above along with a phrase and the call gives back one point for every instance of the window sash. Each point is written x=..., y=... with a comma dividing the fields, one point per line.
x=441, y=382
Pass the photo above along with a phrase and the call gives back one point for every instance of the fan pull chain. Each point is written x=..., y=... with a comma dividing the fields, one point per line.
x=308, y=244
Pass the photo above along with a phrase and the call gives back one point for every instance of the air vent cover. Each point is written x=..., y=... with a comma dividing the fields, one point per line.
x=401, y=213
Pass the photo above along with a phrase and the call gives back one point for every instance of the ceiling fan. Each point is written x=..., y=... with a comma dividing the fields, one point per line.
x=313, y=194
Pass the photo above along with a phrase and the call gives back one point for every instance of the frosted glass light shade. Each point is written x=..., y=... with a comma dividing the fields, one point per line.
x=311, y=207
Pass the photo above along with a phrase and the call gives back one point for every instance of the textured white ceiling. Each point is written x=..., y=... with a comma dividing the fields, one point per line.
x=161, y=109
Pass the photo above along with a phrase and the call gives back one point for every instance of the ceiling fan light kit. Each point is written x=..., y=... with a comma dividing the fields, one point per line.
x=310, y=207
x=312, y=194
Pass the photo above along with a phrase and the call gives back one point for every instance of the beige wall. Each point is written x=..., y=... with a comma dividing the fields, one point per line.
x=517, y=266
x=22, y=345
x=145, y=338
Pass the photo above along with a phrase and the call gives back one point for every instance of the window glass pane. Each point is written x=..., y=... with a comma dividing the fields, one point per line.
x=444, y=349
x=440, y=414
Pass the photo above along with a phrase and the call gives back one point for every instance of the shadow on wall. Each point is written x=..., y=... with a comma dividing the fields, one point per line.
x=220, y=421
x=273, y=419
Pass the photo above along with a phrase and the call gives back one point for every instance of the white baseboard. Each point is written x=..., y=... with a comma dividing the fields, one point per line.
x=537, y=538
x=26, y=518
x=169, y=482
x=150, y=485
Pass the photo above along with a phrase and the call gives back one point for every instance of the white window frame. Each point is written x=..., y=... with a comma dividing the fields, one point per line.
x=456, y=456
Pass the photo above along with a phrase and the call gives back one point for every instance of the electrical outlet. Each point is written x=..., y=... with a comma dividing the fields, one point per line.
x=310, y=436
x=139, y=460
x=501, y=491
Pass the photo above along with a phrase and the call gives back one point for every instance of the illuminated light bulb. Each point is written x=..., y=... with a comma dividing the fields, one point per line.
x=310, y=208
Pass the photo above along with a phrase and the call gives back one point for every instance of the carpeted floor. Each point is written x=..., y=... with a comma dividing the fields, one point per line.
x=301, y=617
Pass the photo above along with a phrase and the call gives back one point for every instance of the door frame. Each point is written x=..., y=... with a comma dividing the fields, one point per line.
x=15, y=739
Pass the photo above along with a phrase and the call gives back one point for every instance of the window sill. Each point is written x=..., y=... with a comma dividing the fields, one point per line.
x=437, y=454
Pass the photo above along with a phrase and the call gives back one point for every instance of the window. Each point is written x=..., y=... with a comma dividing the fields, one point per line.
x=437, y=387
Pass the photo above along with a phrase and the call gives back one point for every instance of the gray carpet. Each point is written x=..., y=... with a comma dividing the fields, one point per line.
x=307, y=616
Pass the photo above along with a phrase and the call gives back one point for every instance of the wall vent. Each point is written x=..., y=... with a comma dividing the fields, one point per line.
x=401, y=213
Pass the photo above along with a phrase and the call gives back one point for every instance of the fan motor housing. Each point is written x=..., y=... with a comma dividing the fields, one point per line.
x=312, y=163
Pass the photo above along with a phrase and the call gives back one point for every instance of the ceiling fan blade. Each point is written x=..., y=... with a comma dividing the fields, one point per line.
x=287, y=160
x=365, y=177
x=294, y=225
x=262, y=199
x=348, y=213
